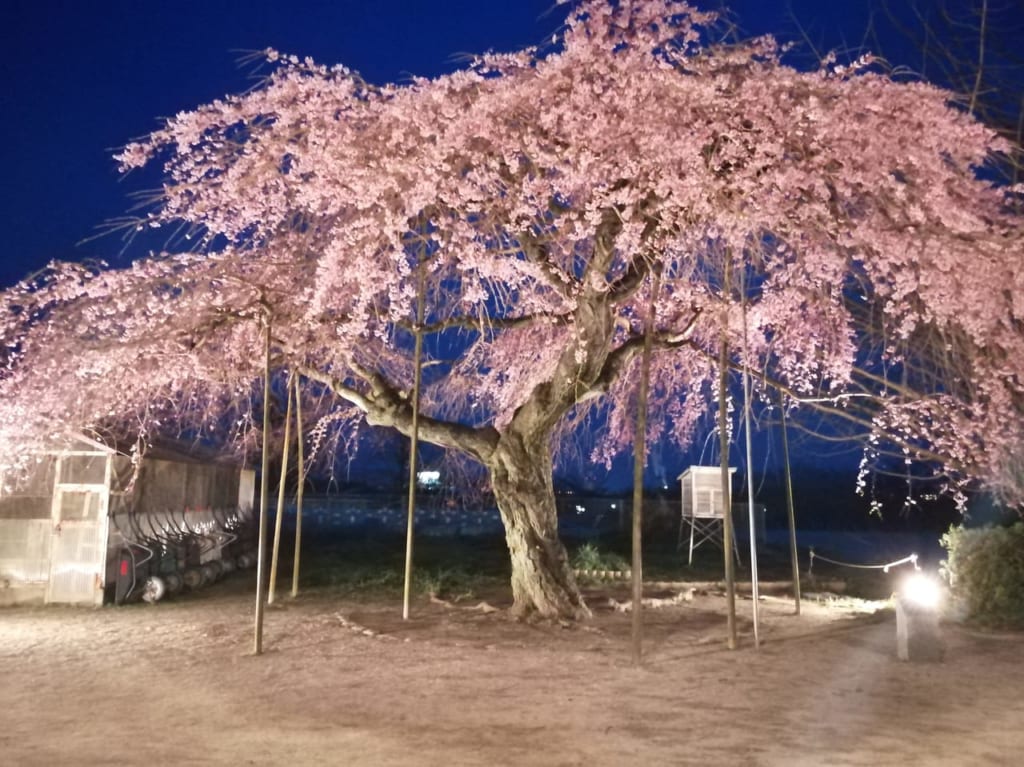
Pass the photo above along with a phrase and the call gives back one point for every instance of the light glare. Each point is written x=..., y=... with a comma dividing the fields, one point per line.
x=921, y=590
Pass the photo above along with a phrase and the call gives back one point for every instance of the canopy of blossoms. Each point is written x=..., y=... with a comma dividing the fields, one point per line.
x=832, y=226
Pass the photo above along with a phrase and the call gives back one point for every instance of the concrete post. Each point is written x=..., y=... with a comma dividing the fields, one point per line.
x=917, y=632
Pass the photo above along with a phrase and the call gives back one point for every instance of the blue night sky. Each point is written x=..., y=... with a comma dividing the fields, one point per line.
x=82, y=78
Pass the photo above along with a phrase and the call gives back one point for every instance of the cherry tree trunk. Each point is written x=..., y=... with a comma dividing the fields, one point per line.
x=542, y=579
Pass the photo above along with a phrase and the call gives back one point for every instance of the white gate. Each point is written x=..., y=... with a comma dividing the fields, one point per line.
x=78, y=552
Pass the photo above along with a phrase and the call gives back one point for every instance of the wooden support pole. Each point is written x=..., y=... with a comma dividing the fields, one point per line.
x=790, y=516
x=257, y=646
x=413, y=446
x=750, y=479
x=639, y=459
x=280, y=494
x=723, y=442
x=727, y=531
x=300, y=458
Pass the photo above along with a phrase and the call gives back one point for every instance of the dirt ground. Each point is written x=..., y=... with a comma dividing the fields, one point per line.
x=344, y=681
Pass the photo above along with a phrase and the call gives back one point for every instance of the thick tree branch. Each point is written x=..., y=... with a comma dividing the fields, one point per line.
x=492, y=323
x=384, y=406
x=619, y=359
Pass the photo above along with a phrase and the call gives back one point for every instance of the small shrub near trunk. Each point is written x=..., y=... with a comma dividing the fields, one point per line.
x=985, y=570
x=590, y=558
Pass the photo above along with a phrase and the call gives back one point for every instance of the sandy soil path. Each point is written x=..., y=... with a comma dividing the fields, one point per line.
x=348, y=683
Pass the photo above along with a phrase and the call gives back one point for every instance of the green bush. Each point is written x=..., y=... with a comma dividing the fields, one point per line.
x=985, y=571
x=590, y=557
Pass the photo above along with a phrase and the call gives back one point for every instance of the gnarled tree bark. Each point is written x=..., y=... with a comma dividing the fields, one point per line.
x=542, y=580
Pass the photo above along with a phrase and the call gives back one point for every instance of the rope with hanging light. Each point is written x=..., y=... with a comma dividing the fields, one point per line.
x=912, y=559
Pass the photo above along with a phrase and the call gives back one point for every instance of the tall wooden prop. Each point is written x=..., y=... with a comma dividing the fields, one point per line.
x=723, y=442
x=791, y=517
x=300, y=458
x=413, y=446
x=280, y=494
x=257, y=645
x=750, y=478
x=639, y=459
x=727, y=532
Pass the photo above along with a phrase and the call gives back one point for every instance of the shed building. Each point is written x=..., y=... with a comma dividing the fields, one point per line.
x=69, y=527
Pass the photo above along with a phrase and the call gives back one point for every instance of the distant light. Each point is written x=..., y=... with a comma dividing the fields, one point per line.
x=428, y=478
x=580, y=509
x=921, y=590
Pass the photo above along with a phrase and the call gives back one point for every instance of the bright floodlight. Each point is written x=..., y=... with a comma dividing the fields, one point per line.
x=921, y=590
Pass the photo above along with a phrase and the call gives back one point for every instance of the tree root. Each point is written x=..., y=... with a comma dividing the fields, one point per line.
x=356, y=628
x=678, y=599
x=483, y=607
